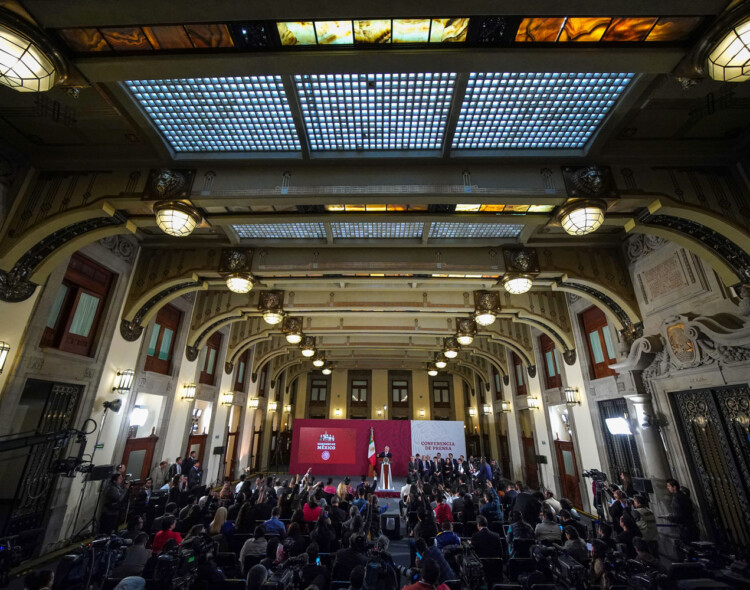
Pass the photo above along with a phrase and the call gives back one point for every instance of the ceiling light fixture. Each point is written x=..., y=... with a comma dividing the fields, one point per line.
x=176, y=218
x=240, y=282
x=270, y=304
x=486, y=307
x=729, y=59
x=450, y=347
x=517, y=283
x=28, y=61
x=319, y=361
x=293, y=329
x=432, y=371
x=308, y=346
x=465, y=331
x=327, y=370
x=440, y=361
x=582, y=217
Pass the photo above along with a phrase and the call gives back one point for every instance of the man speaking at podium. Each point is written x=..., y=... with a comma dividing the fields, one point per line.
x=385, y=469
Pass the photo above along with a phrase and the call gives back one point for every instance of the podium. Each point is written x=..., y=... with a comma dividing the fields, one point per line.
x=385, y=473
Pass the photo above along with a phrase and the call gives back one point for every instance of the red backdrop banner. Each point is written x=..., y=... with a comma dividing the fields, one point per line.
x=339, y=447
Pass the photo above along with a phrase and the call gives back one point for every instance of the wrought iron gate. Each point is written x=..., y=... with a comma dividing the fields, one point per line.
x=713, y=426
x=37, y=483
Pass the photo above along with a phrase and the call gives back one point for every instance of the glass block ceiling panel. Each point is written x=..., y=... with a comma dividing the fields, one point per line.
x=375, y=111
x=535, y=110
x=365, y=230
x=243, y=114
x=293, y=231
x=451, y=229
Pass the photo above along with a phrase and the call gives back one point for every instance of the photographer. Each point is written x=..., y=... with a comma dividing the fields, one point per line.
x=114, y=496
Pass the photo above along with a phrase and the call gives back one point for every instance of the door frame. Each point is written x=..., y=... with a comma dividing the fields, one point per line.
x=201, y=440
x=146, y=443
x=528, y=442
x=568, y=489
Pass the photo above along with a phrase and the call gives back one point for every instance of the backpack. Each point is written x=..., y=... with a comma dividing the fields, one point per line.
x=380, y=575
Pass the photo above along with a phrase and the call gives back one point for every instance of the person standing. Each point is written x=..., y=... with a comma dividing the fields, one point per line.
x=175, y=468
x=195, y=475
x=385, y=468
x=159, y=475
x=189, y=461
x=682, y=512
x=114, y=496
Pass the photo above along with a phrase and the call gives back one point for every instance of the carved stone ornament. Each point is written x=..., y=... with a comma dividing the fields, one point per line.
x=130, y=331
x=532, y=371
x=169, y=184
x=465, y=326
x=638, y=246
x=486, y=300
x=191, y=353
x=121, y=246
x=235, y=260
x=506, y=380
x=521, y=259
x=292, y=324
x=15, y=288
x=228, y=367
x=569, y=356
x=589, y=181
x=270, y=300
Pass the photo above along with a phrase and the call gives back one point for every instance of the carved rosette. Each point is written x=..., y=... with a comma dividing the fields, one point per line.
x=130, y=331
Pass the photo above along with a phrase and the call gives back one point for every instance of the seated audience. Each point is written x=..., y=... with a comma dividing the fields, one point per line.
x=485, y=542
x=135, y=558
x=166, y=533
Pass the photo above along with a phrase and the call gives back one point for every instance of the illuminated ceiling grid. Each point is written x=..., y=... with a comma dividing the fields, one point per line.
x=293, y=231
x=535, y=110
x=242, y=114
x=365, y=230
x=375, y=111
x=453, y=229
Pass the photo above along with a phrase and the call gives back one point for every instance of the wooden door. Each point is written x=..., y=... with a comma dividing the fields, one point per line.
x=197, y=442
x=504, y=449
x=138, y=456
x=529, y=462
x=230, y=456
x=569, y=478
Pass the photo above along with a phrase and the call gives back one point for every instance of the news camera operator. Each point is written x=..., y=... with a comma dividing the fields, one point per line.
x=115, y=495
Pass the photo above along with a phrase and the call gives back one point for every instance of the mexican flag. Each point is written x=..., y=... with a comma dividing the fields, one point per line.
x=371, y=456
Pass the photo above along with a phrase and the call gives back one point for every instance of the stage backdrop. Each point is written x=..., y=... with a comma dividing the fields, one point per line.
x=339, y=447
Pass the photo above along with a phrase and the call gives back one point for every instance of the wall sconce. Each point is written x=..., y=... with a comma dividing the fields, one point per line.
x=227, y=398
x=421, y=413
x=253, y=403
x=288, y=409
x=505, y=407
x=472, y=411
x=123, y=381
x=4, y=350
x=380, y=412
x=701, y=421
x=532, y=402
x=486, y=409
x=273, y=406
x=337, y=412
x=571, y=396
x=188, y=392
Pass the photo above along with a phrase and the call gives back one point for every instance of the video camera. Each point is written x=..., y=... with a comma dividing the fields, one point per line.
x=556, y=563
x=176, y=568
x=94, y=561
x=595, y=475
x=288, y=574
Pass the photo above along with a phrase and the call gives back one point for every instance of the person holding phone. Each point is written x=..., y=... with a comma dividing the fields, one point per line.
x=598, y=569
x=314, y=572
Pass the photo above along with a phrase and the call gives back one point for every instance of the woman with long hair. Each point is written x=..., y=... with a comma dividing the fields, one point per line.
x=245, y=522
x=324, y=534
x=299, y=519
x=311, y=510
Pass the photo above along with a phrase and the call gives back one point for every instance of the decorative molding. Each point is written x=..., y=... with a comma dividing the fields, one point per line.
x=169, y=184
x=531, y=370
x=589, y=181
x=15, y=288
x=130, y=331
x=638, y=246
x=235, y=260
x=569, y=356
x=121, y=246
x=191, y=353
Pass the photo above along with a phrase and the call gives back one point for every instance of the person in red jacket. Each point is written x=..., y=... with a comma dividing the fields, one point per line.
x=443, y=512
x=166, y=533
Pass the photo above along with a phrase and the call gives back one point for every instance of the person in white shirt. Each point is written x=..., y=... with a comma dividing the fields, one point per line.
x=239, y=484
x=552, y=502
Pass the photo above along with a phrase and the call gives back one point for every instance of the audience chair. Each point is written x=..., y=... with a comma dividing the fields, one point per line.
x=493, y=569
x=453, y=584
x=250, y=561
x=496, y=527
x=238, y=540
x=522, y=547
x=229, y=564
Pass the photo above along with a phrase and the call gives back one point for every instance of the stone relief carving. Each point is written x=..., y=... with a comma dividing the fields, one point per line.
x=639, y=246
x=121, y=246
x=589, y=181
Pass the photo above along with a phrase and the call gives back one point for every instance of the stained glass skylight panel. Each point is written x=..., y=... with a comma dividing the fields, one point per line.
x=232, y=114
x=290, y=231
x=535, y=110
x=376, y=230
x=375, y=111
x=453, y=229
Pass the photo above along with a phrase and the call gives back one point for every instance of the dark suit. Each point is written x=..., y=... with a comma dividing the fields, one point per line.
x=529, y=506
x=486, y=543
x=420, y=467
x=187, y=465
x=174, y=469
x=195, y=476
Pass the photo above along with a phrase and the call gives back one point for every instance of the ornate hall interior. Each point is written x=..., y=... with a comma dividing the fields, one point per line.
x=219, y=218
